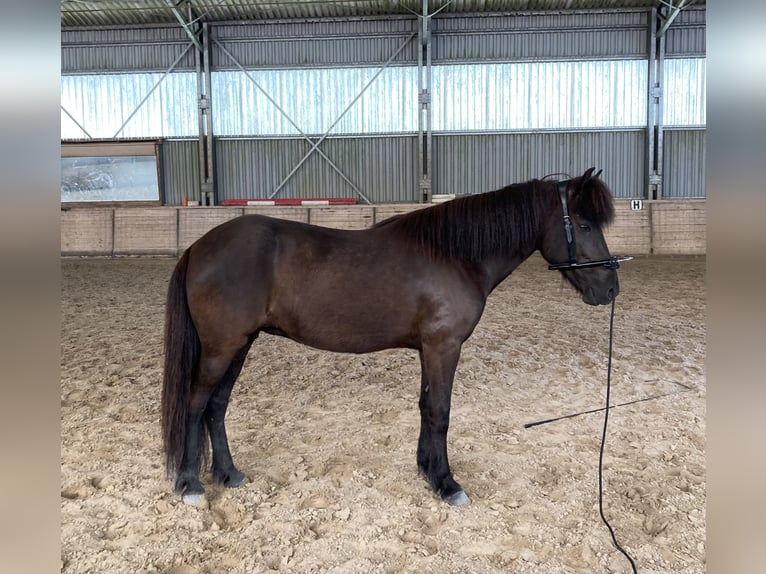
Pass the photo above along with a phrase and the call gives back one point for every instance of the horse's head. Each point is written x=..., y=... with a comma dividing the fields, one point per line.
x=590, y=209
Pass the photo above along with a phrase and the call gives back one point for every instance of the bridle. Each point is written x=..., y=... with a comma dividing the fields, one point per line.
x=572, y=263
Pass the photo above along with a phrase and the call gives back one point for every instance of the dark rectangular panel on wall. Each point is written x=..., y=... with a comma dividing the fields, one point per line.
x=114, y=50
x=684, y=164
x=382, y=168
x=467, y=164
x=314, y=44
x=556, y=36
x=180, y=171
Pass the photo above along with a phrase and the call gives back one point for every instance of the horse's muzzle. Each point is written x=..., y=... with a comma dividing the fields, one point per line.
x=595, y=297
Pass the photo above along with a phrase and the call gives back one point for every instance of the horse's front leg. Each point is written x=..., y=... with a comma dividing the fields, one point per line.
x=438, y=364
x=424, y=440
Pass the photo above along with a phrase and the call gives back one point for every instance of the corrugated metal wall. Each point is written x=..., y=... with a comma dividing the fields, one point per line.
x=180, y=170
x=457, y=37
x=314, y=44
x=552, y=36
x=540, y=95
x=383, y=169
x=111, y=50
x=534, y=93
x=685, y=100
x=686, y=37
x=684, y=163
x=461, y=162
x=466, y=97
x=101, y=104
x=313, y=100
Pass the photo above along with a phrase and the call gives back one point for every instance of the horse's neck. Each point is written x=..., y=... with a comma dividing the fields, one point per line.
x=497, y=267
x=495, y=270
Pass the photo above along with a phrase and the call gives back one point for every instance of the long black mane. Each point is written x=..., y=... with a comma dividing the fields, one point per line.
x=475, y=227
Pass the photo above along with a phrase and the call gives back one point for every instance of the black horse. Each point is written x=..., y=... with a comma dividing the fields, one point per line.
x=418, y=281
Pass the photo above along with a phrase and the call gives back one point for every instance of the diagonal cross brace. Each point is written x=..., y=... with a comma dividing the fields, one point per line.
x=315, y=146
x=675, y=11
x=287, y=117
x=71, y=117
x=185, y=25
x=156, y=85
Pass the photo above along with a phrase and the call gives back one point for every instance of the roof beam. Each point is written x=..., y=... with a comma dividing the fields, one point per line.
x=675, y=11
x=189, y=32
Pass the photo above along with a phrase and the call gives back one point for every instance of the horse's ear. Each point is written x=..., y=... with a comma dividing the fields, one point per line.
x=593, y=201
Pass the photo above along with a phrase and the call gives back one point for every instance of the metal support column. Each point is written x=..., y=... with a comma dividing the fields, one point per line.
x=424, y=106
x=198, y=34
x=201, y=108
x=654, y=109
x=205, y=118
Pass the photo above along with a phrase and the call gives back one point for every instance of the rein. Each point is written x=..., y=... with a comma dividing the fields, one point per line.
x=606, y=410
x=611, y=263
x=601, y=450
x=572, y=263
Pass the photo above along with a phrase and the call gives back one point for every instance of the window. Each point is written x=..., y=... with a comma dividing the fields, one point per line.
x=110, y=172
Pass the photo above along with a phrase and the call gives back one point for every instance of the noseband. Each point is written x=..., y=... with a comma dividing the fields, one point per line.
x=611, y=263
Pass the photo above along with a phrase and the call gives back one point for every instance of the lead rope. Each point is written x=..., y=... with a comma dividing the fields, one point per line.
x=603, y=441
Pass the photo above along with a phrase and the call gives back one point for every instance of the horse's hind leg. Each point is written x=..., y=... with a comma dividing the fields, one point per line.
x=211, y=371
x=438, y=365
x=224, y=471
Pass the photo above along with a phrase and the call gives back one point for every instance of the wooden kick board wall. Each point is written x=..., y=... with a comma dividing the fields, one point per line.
x=660, y=227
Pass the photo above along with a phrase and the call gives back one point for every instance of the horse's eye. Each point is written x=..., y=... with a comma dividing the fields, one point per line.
x=584, y=227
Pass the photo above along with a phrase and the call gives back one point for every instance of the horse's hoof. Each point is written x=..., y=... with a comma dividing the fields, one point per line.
x=231, y=479
x=235, y=479
x=460, y=498
x=195, y=499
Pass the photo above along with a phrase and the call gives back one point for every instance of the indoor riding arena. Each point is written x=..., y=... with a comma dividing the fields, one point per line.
x=178, y=117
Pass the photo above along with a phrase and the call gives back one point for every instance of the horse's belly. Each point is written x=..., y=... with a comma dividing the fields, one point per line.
x=347, y=326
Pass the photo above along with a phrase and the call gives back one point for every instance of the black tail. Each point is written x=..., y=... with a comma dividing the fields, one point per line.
x=182, y=352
